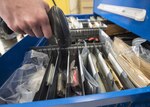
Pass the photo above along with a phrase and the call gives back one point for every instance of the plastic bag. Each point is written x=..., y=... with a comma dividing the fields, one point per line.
x=2, y=101
x=105, y=39
x=91, y=85
x=74, y=80
x=138, y=41
x=37, y=58
x=23, y=84
x=92, y=61
x=139, y=50
x=25, y=81
x=142, y=52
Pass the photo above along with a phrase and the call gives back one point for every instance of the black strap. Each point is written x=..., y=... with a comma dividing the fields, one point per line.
x=54, y=2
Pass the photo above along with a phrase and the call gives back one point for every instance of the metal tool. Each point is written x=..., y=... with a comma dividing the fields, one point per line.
x=59, y=27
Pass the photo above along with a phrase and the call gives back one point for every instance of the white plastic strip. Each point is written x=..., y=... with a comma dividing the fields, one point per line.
x=103, y=64
x=134, y=13
x=115, y=64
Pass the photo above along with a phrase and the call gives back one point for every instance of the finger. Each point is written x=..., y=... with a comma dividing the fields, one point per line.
x=21, y=31
x=16, y=28
x=28, y=28
x=29, y=31
x=22, y=26
x=45, y=26
x=47, y=8
x=37, y=31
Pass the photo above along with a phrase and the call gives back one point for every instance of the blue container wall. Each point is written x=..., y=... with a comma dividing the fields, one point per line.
x=126, y=98
x=140, y=28
x=12, y=59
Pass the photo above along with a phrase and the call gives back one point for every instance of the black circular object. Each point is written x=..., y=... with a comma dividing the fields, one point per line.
x=6, y=28
x=59, y=26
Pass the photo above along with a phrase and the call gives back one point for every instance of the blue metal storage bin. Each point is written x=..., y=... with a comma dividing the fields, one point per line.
x=139, y=28
x=139, y=97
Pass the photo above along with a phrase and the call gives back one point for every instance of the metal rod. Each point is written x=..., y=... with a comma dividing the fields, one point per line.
x=54, y=2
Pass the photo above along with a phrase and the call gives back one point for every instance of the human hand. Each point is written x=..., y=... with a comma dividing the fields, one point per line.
x=26, y=17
